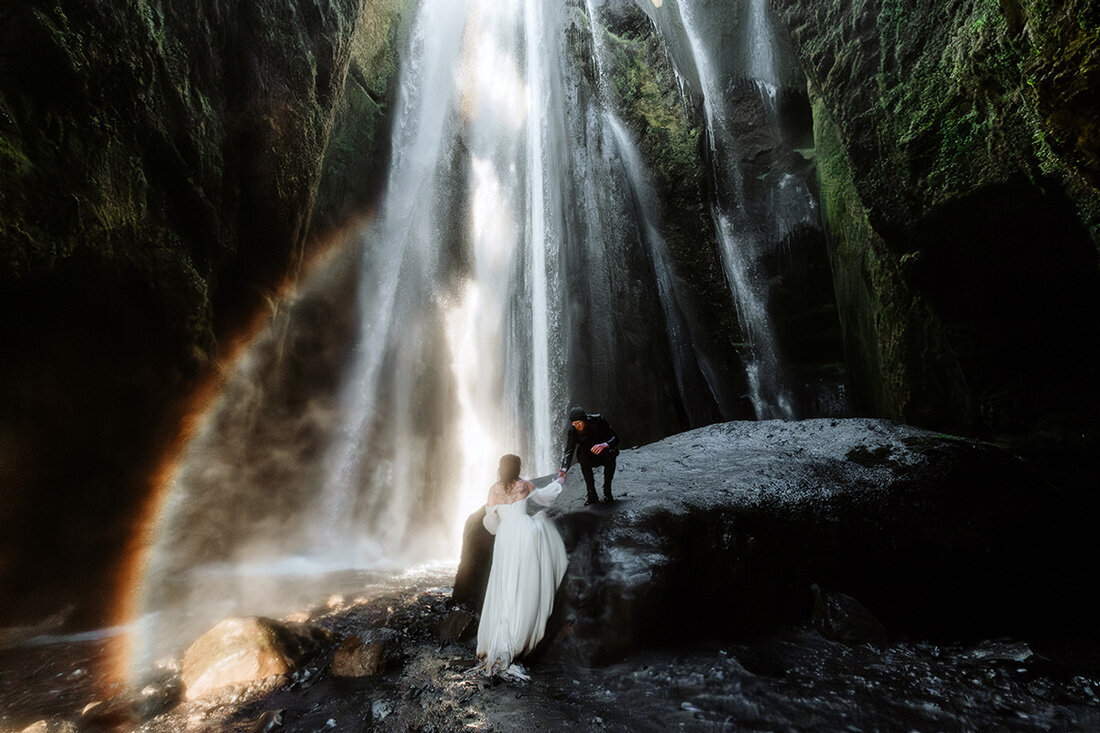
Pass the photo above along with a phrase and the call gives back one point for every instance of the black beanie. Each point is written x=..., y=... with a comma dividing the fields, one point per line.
x=577, y=413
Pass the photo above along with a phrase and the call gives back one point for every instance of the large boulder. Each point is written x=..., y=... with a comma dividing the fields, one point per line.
x=727, y=528
x=241, y=650
x=473, y=565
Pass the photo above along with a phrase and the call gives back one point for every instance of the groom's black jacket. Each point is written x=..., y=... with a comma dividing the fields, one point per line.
x=596, y=430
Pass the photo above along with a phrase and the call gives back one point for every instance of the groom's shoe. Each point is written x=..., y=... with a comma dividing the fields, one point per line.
x=607, y=495
x=591, y=500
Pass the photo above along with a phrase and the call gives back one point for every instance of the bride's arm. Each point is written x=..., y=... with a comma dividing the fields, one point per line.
x=547, y=494
x=491, y=521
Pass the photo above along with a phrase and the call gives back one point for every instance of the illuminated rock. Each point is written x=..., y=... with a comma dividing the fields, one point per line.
x=246, y=649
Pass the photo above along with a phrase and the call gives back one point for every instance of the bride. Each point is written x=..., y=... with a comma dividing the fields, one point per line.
x=528, y=564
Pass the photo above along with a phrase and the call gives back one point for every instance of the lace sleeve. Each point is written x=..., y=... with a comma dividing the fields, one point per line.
x=547, y=494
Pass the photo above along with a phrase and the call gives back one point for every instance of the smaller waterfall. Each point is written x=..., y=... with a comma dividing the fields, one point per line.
x=789, y=202
x=691, y=381
x=542, y=388
x=739, y=241
x=761, y=45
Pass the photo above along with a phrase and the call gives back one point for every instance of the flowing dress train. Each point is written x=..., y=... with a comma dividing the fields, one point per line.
x=528, y=564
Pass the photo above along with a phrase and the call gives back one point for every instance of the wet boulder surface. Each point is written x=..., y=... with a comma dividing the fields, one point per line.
x=728, y=527
x=244, y=650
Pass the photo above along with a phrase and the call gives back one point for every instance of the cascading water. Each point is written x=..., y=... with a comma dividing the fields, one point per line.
x=694, y=380
x=403, y=250
x=473, y=287
x=746, y=231
x=761, y=67
x=517, y=266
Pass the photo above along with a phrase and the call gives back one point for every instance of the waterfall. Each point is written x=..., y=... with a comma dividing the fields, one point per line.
x=747, y=231
x=693, y=380
x=403, y=249
x=516, y=266
x=761, y=47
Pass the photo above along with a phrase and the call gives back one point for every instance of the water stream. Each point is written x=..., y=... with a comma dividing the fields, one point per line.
x=747, y=231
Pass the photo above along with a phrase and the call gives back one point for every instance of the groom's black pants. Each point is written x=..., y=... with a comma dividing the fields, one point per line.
x=605, y=459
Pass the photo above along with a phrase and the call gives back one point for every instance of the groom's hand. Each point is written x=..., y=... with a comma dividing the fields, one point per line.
x=561, y=473
x=599, y=448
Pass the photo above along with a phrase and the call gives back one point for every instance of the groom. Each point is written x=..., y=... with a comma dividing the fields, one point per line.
x=592, y=437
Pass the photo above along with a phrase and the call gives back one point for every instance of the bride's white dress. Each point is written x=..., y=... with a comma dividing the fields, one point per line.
x=528, y=564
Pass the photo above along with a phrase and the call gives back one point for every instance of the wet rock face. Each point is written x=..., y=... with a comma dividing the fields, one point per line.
x=669, y=129
x=159, y=165
x=477, y=557
x=727, y=528
x=958, y=182
x=366, y=655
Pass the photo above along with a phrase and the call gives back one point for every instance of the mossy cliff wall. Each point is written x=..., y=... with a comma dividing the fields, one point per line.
x=160, y=165
x=958, y=148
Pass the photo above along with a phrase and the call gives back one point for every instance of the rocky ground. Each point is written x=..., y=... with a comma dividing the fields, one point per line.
x=792, y=678
x=689, y=603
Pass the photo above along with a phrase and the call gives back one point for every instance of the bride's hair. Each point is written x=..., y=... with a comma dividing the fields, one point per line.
x=508, y=471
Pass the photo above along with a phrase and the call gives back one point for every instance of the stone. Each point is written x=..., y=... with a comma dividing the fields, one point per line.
x=474, y=562
x=457, y=625
x=366, y=655
x=246, y=649
x=842, y=618
x=51, y=726
x=267, y=721
x=117, y=710
x=160, y=691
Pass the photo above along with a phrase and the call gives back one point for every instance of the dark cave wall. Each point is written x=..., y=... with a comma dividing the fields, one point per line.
x=957, y=152
x=160, y=169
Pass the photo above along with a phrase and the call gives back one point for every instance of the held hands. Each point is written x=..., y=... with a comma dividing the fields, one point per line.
x=561, y=476
x=599, y=448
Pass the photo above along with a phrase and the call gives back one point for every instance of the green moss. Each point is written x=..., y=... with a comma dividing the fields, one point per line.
x=898, y=360
x=353, y=162
x=14, y=163
x=646, y=93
